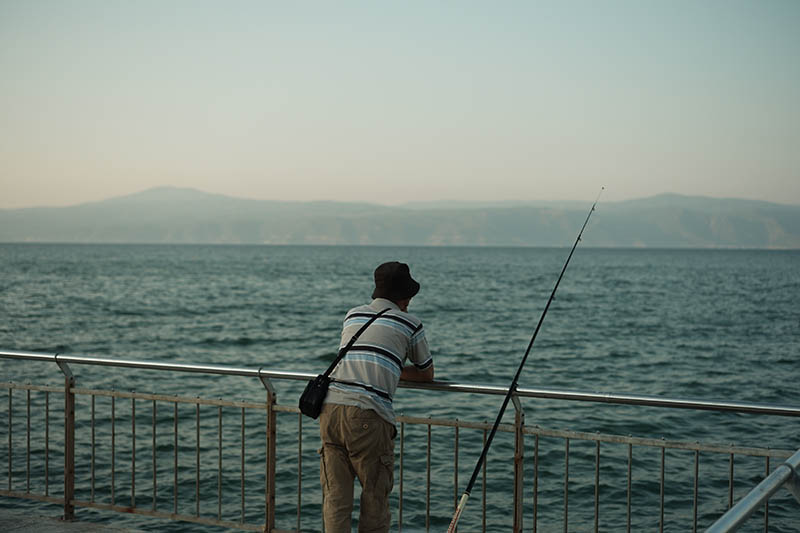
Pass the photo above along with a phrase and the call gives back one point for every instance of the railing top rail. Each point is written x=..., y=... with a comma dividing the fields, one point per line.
x=443, y=386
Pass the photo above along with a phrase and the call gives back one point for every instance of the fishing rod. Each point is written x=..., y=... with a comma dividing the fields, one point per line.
x=513, y=387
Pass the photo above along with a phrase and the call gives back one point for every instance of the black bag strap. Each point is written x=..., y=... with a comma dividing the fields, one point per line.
x=353, y=339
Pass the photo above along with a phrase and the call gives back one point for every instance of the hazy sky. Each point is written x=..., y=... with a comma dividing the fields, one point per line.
x=392, y=102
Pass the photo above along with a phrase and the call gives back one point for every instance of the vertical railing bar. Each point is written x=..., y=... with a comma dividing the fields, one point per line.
x=566, y=485
x=46, y=443
x=133, y=452
x=400, y=502
x=28, y=454
x=730, y=482
x=630, y=465
x=455, y=468
x=696, y=489
x=535, y=482
x=113, y=446
x=597, y=487
x=428, y=484
x=91, y=499
x=267, y=460
x=661, y=519
x=243, y=437
x=219, y=463
x=155, y=468
x=197, y=460
x=519, y=467
x=299, y=465
x=766, y=503
x=175, y=457
x=10, y=430
x=483, y=494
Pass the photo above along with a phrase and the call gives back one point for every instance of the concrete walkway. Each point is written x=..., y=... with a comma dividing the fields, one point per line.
x=17, y=522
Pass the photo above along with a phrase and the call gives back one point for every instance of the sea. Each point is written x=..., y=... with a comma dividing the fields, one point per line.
x=710, y=324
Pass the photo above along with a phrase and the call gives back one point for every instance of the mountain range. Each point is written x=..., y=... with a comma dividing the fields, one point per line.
x=173, y=215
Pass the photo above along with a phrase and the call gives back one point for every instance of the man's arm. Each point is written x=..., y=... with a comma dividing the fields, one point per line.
x=412, y=373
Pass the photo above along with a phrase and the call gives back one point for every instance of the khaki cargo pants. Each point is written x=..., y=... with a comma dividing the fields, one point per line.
x=356, y=443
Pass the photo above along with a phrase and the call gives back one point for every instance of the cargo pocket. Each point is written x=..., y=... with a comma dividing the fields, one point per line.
x=387, y=473
x=323, y=472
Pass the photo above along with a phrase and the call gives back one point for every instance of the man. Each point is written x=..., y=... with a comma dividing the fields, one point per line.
x=357, y=423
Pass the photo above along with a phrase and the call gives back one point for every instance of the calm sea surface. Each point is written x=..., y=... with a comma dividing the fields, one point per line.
x=700, y=324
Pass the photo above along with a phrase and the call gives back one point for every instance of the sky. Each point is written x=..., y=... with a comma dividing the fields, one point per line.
x=395, y=102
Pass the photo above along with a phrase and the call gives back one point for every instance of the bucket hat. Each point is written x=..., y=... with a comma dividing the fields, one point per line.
x=393, y=281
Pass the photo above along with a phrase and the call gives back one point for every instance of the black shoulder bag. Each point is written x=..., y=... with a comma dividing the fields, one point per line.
x=316, y=390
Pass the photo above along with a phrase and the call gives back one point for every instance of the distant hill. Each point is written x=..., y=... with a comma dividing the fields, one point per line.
x=171, y=215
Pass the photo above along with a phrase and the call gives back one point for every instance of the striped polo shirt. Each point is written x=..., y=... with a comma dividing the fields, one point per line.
x=368, y=374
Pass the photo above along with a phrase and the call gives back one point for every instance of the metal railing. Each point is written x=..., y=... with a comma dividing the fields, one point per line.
x=270, y=409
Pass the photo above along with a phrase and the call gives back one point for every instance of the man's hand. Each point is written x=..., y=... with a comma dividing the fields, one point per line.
x=412, y=373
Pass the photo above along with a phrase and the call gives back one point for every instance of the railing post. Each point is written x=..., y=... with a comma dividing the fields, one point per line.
x=69, y=440
x=269, y=489
x=519, y=453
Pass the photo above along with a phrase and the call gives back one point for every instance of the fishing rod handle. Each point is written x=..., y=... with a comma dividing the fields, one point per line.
x=461, y=504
